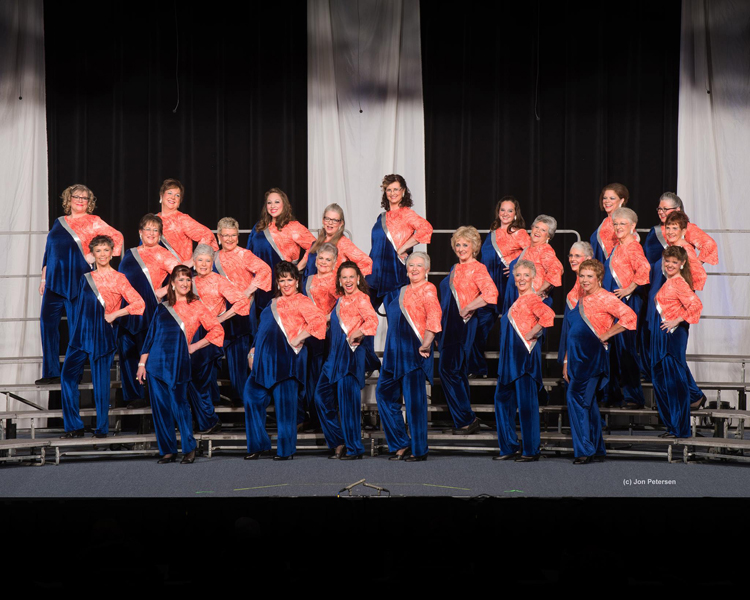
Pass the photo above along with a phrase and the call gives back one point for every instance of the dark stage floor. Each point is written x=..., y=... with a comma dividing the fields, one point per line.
x=312, y=475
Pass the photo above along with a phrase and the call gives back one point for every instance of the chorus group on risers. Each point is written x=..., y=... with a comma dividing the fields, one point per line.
x=294, y=315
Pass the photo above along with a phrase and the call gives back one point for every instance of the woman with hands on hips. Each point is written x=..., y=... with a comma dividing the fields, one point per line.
x=277, y=364
x=166, y=362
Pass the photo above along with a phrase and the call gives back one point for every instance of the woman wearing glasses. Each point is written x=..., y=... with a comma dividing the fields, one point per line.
x=66, y=259
x=332, y=232
x=397, y=230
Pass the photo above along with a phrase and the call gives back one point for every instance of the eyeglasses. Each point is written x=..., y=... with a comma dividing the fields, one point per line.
x=665, y=210
x=86, y=198
x=393, y=192
x=228, y=236
x=331, y=221
x=576, y=256
x=147, y=230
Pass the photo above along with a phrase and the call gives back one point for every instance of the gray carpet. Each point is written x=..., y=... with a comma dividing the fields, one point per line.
x=313, y=475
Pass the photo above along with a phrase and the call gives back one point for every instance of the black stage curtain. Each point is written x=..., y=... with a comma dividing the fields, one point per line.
x=240, y=127
x=548, y=101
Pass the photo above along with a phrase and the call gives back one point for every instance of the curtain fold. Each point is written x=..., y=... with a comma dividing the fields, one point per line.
x=365, y=109
x=365, y=112
x=23, y=172
x=713, y=168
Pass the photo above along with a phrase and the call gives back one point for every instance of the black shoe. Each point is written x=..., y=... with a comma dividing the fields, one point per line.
x=47, y=381
x=698, y=404
x=415, y=458
x=583, y=460
x=403, y=456
x=256, y=455
x=216, y=428
x=138, y=403
x=667, y=434
x=167, y=458
x=188, y=459
x=351, y=456
x=99, y=435
x=72, y=434
x=277, y=457
x=338, y=452
x=528, y=458
x=505, y=456
x=473, y=427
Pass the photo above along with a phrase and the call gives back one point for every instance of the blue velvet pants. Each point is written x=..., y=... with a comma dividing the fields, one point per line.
x=585, y=420
x=345, y=398
x=169, y=405
x=388, y=395
x=129, y=348
x=70, y=377
x=455, y=382
x=521, y=393
x=256, y=399
x=51, y=314
x=203, y=393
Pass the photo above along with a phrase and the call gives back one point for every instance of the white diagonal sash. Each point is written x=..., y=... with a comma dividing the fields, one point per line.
x=407, y=316
x=66, y=226
x=220, y=267
x=179, y=320
x=383, y=222
x=308, y=289
x=168, y=246
x=529, y=344
x=661, y=314
x=582, y=312
x=92, y=285
x=660, y=236
x=272, y=242
x=343, y=327
x=454, y=291
x=139, y=259
x=600, y=242
x=499, y=253
x=614, y=273
x=277, y=318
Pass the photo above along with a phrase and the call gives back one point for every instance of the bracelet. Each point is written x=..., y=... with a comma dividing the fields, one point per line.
x=565, y=362
x=141, y=364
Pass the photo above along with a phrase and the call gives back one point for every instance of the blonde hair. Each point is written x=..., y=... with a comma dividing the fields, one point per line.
x=471, y=235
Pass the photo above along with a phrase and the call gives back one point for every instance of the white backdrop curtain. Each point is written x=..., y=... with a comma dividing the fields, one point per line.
x=23, y=194
x=714, y=165
x=365, y=109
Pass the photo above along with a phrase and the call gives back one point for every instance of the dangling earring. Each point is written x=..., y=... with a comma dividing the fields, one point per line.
x=172, y=287
x=682, y=266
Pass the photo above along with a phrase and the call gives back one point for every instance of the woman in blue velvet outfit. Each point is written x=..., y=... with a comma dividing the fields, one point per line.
x=165, y=362
x=671, y=311
x=66, y=259
x=397, y=230
x=93, y=336
x=277, y=364
x=414, y=315
x=467, y=288
x=339, y=391
x=504, y=243
x=598, y=316
x=579, y=252
x=519, y=371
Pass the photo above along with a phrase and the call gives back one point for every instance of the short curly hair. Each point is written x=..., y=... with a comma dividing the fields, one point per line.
x=592, y=265
x=471, y=235
x=77, y=188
